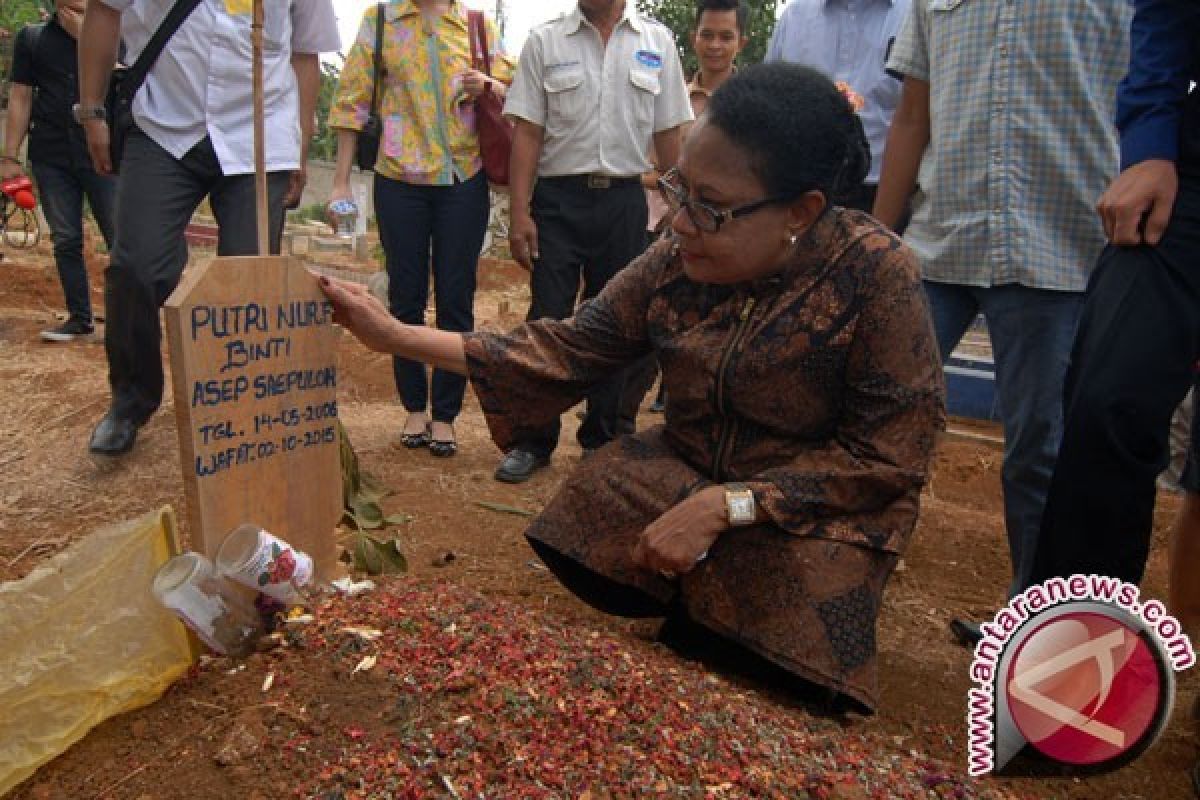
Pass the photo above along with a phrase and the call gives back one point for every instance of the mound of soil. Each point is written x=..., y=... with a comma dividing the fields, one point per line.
x=489, y=679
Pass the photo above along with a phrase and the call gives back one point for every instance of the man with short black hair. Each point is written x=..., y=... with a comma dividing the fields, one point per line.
x=592, y=89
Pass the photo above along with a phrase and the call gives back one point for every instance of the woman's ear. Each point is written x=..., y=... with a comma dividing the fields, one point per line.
x=804, y=211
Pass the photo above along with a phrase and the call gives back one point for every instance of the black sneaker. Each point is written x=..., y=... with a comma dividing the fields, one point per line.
x=69, y=331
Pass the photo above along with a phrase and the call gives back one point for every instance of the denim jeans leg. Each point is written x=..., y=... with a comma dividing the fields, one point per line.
x=101, y=191
x=62, y=203
x=953, y=308
x=460, y=216
x=1031, y=331
x=405, y=214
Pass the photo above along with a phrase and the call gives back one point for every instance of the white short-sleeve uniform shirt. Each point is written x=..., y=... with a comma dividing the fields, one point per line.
x=201, y=83
x=599, y=106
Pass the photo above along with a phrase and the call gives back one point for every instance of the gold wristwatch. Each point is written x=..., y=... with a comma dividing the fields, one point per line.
x=739, y=504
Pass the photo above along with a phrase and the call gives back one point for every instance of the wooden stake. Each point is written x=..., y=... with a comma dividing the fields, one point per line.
x=262, y=219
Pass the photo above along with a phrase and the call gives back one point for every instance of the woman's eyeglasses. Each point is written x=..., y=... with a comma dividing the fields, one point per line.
x=703, y=216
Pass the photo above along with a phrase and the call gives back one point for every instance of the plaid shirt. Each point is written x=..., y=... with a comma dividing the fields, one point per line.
x=1022, y=97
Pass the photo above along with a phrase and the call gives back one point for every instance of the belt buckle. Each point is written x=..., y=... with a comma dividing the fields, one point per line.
x=598, y=181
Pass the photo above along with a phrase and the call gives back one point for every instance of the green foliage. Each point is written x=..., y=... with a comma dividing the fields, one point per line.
x=680, y=17
x=313, y=212
x=14, y=15
x=324, y=143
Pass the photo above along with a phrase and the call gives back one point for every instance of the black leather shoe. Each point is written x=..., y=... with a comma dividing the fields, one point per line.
x=967, y=633
x=518, y=466
x=113, y=436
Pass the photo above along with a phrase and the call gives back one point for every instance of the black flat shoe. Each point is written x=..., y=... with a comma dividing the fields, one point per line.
x=414, y=441
x=519, y=465
x=113, y=435
x=442, y=448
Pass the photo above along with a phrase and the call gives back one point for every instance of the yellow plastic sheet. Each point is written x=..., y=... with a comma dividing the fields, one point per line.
x=83, y=639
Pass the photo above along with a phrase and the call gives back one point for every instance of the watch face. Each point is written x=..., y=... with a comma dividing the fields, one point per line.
x=741, y=507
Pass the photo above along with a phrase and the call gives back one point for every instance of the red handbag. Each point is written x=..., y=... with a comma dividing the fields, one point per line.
x=495, y=132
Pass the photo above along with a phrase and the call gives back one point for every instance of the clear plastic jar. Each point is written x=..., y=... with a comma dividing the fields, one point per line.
x=214, y=609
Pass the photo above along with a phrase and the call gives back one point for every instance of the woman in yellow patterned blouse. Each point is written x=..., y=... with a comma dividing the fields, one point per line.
x=431, y=196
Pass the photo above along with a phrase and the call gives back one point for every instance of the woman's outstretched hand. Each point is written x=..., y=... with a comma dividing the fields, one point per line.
x=358, y=311
x=678, y=540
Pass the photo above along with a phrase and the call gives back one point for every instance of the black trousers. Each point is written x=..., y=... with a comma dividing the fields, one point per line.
x=586, y=236
x=442, y=226
x=1131, y=365
x=156, y=197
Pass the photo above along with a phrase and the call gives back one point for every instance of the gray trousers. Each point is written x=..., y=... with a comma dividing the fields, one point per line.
x=156, y=197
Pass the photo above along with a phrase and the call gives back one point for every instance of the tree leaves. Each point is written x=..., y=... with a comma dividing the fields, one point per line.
x=378, y=556
x=361, y=494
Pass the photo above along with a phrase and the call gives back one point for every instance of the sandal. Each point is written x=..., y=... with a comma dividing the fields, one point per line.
x=443, y=448
x=414, y=441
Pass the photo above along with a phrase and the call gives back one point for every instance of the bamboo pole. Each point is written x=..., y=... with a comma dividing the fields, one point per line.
x=262, y=220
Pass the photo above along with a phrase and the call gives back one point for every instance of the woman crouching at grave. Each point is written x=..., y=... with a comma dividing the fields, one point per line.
x=805, y=396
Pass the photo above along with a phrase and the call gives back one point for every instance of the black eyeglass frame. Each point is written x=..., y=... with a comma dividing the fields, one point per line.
x=678, y=200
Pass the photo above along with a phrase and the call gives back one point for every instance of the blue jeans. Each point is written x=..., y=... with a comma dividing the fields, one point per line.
x=1031, y=331
x=448, y=222
x=62, y=190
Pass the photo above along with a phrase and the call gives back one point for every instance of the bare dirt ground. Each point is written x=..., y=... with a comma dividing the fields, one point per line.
x=52, y=492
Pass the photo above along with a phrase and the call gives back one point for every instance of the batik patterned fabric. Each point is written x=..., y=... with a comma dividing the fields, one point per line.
x=429, y=133
x=819, y=387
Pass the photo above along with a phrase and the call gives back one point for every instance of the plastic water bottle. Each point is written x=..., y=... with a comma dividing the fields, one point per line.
x=345, y=213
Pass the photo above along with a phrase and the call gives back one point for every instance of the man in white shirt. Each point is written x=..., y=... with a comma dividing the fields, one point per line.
x=194, y=139
x=848, y=40
x=592, y=89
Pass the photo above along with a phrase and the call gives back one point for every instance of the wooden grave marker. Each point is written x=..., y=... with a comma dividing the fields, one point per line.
x=253, y=356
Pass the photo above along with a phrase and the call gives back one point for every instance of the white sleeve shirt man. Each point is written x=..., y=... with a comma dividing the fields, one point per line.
x=201, y=83
x=599, y=106
x=849, y=41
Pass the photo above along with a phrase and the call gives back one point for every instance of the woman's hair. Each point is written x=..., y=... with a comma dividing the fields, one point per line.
x=798, y=129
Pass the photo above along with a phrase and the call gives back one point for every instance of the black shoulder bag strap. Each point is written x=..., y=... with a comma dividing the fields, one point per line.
x=135, y=76
x=378, y=56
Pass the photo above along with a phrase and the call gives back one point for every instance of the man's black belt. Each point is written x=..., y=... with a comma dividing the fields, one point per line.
x=592, y=181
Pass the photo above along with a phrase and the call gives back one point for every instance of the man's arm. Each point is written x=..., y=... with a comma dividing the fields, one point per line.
x=1137, y=206
x=97, y=53
x=22, y=79
x=666, y=148
x=522, y=172
x=906, y=143
x=307, y=67
x=20, y=106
